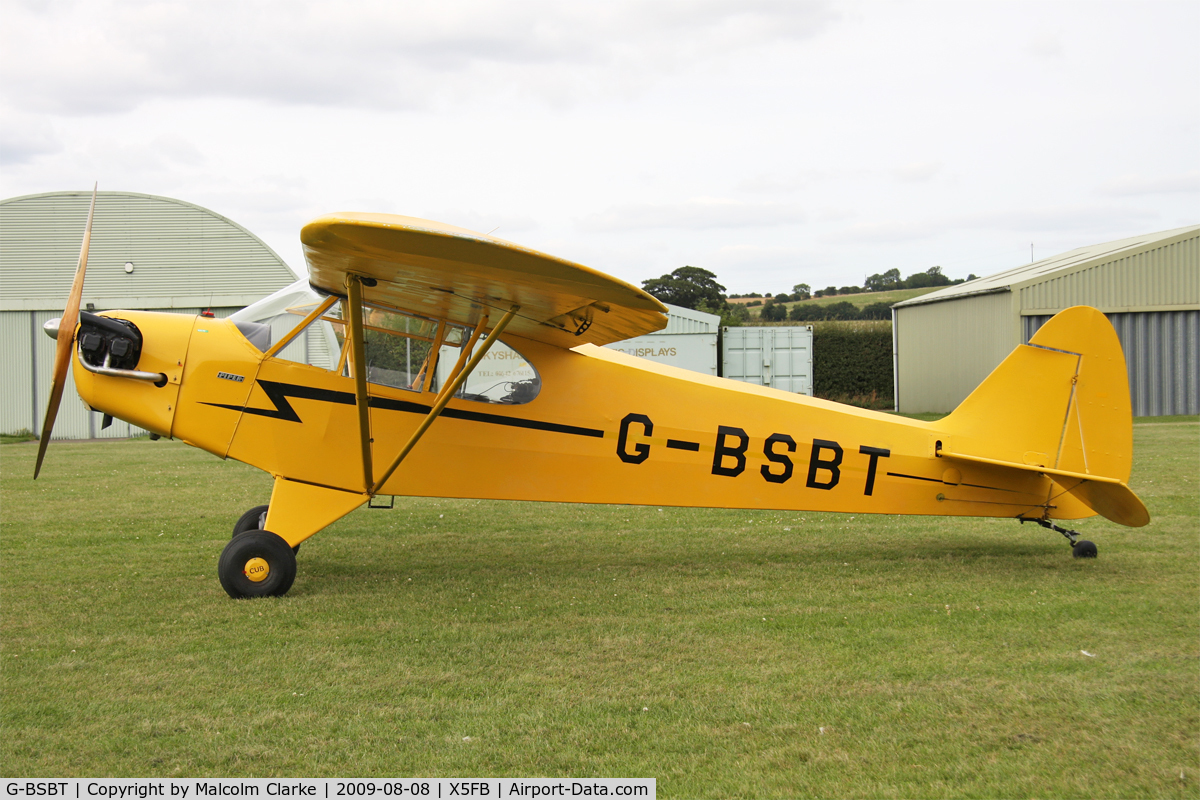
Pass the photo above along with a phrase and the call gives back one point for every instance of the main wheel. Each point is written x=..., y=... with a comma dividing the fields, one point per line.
x=254, y=520
x=257, y=564
x=1084, y=549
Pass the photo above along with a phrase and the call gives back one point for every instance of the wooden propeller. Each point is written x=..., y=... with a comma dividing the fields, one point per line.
x=65, y=340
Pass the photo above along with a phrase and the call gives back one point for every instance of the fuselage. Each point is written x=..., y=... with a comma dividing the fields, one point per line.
x=604, y=428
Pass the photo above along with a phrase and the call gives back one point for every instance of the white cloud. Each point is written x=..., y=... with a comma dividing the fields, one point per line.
x=1136, y=185
x=496, y=223
x=918, y=172
x=26, y=136
x=698, y=214
x=113, y=55
x=1061, y=218
x=777, y=183
x=820, y=141
x=1047, y=44
x=1023, y=221
x=884, y=232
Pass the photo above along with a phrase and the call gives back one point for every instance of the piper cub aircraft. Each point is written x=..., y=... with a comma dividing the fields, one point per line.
x=433, y=361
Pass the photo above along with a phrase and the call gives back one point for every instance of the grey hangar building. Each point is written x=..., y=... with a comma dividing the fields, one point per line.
x=945, y=343
x=147, y=253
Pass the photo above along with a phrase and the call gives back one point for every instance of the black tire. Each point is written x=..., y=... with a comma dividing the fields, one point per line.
x=1084, y=549
x=253, y=520
x=249, y=546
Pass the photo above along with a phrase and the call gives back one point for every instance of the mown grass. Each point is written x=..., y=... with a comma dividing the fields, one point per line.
x=725, y=653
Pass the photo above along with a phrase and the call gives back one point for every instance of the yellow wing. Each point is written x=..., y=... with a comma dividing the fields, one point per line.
x=451, y=273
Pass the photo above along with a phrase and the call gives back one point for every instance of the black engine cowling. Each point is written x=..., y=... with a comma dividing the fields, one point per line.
x=117, y=340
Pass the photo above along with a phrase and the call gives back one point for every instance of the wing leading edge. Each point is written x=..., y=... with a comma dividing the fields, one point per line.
x=451, y=273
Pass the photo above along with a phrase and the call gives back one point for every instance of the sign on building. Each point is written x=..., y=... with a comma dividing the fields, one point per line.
x=689, y=341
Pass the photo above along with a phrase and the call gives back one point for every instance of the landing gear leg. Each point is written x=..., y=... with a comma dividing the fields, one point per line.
x=1080, y=548
x=254, y=520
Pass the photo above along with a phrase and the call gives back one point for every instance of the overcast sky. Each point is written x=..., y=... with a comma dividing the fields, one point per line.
x=771, y=142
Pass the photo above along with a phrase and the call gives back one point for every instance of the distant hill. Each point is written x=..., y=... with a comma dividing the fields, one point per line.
x=861, y=300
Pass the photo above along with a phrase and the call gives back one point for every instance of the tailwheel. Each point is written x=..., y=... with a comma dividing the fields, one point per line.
x=1080, y=548
x=254, y=520
x=257, y=564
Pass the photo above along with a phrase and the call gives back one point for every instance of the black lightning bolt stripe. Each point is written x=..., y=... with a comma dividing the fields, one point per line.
x=278, y=394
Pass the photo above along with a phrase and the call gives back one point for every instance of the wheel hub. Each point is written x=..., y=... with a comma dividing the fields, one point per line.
x=257, y=569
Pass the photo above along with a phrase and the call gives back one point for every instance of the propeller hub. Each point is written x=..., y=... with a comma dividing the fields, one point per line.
x=51, y=327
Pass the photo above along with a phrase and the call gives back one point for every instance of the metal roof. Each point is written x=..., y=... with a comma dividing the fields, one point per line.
x=686, y=320
x=1056, y=266
x=182, y=255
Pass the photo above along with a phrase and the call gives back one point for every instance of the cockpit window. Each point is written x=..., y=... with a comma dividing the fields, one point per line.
x=317, y=344
x=397, y=347
x=414, y=353
x=277, y=317
x=403, y=350
x=502, y=376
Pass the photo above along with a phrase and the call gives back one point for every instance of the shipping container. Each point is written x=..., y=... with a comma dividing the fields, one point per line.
x=779, y=357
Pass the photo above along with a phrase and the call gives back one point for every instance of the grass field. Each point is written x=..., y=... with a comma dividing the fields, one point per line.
x=725, y=653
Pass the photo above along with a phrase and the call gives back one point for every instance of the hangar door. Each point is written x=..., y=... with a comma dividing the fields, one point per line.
x=1162, y=356
x=777, y=357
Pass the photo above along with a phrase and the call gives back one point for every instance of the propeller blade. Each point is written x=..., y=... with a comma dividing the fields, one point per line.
x=66, y=340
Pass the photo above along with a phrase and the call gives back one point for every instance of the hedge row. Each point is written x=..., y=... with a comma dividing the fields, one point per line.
x=852, y=362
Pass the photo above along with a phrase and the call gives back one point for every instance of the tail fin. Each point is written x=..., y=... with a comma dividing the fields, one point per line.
x=1060, y=406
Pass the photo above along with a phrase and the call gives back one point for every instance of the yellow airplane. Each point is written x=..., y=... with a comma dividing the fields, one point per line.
x=461, y=365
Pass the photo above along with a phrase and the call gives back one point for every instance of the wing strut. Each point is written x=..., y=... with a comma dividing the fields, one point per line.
x=354, y=292
x=302, y=327
x=460, y=374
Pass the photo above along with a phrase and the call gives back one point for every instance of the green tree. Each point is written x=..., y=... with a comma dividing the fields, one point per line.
x=843, y=310
x=882, y=282
x=735, y=315
x=807, y=313
x=930, y=277
x=687, y=287
x=732, y=314
x=877, y=311
x=774, y=312
x=801, y=291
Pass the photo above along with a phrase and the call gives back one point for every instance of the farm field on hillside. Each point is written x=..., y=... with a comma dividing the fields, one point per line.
x=861, y=300
x=725, y=653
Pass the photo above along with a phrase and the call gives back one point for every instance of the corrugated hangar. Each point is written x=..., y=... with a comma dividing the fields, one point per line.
x=948, y=341
x=147, y=253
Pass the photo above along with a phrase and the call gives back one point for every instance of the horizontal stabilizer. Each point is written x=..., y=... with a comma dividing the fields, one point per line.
x=1114, y=501
x=1109, y=497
